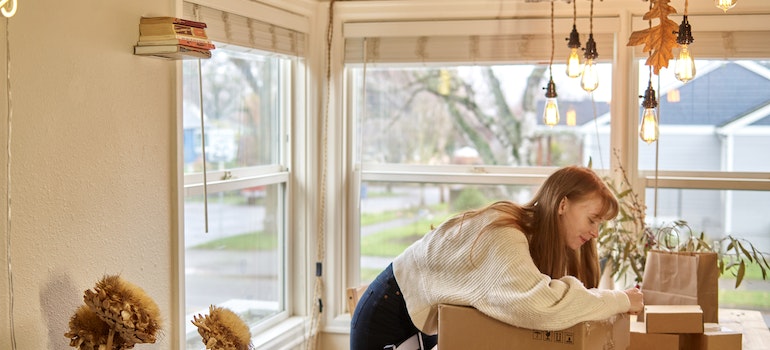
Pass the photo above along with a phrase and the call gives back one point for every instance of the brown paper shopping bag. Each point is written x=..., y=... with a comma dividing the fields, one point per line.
x=683, y=278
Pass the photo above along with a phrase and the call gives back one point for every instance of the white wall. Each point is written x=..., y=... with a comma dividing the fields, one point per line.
x=93, y=163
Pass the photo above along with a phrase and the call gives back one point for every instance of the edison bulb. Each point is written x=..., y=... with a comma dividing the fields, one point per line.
x=551, y=112
x=9, y=12
x=590, y=80
x=648, y=127
x=573, y=63
x=685, y=65
x=725, y=4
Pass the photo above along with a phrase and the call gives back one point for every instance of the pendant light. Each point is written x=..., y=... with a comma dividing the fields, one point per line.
x=590, y=80
x=648, y=125
x=725, y=4
x=684, y=69
x=551, y=110
x=573, y=61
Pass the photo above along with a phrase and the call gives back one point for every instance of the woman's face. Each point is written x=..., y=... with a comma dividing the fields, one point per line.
x=579, y=220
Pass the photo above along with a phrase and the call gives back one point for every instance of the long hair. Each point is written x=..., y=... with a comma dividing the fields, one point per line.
x=539, y=220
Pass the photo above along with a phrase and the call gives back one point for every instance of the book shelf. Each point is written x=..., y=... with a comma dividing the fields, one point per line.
x=172, y=38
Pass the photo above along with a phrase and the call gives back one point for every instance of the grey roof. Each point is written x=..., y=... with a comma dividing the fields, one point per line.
x=717, y=97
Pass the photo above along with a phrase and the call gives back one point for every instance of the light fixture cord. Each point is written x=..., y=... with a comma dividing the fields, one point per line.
x=196, y=10
x=8, y=186
x=591, y=18
x=553, y=45
x=321, y=235
x=686, y=3
x=574, y=12
x=657, y=153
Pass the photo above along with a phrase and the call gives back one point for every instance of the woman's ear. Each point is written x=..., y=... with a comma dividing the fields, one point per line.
x=562, y=205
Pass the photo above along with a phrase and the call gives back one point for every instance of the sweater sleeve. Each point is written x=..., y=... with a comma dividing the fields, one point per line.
x=521, y=295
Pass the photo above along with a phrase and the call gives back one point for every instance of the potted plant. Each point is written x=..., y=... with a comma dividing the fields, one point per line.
x=625, y=240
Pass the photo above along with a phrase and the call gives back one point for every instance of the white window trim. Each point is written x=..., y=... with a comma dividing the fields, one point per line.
x=293, y=331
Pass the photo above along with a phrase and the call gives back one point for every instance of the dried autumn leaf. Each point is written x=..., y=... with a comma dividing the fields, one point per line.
x=659, y=40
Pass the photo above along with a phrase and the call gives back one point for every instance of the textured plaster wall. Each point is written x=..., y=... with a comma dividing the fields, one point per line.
x=92, y=163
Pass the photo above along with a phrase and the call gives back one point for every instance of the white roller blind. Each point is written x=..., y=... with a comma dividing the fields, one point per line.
x=226, y=27
x=514, y=40
x=488, y=48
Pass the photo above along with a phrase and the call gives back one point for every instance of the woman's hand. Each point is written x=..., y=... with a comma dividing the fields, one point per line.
x=636, y=298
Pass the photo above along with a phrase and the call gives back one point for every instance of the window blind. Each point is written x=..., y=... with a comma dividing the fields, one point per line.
x=470, y=49
x=236, y=29
x=475, y=41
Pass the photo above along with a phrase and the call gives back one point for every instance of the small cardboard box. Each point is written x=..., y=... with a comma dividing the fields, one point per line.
x=463, y=328
x=715, y=337
x=641, y=340
x=673, y=318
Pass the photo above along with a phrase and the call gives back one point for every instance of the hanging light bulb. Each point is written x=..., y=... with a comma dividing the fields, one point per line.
x=573, y=61
x=725, y=4
x=590, y=80
x=551, y=110
x=648, y=126
x=685, y=65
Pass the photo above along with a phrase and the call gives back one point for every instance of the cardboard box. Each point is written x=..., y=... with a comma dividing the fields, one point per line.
x=673, y=318
x=463, y=328
x=641, y=340
x=715, y=337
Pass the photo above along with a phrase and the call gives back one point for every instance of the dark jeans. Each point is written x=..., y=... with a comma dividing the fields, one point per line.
x=381, y=319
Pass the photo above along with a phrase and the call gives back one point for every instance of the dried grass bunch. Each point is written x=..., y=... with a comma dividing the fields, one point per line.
x=222, y=329
x=117, y=315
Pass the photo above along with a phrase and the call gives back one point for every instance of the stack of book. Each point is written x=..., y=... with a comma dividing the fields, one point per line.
x=174, y=38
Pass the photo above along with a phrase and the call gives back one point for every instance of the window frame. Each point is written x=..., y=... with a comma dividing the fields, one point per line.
x=289, y=326
x=624, y=115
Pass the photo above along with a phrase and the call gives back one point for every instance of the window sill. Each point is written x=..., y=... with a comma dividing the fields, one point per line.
x=288, y=334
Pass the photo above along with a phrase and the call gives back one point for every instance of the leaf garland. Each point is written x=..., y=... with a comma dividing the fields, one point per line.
x=660, y=40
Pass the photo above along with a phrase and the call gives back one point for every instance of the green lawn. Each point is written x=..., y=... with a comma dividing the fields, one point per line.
x=247, y=241
x=744, y=299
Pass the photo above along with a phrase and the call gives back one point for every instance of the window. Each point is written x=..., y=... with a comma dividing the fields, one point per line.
x=445, y=123
x=235, y=225
x=442, y=123
x=237, y=110
x=711, y=170
x=477, y=115
x=715, y=122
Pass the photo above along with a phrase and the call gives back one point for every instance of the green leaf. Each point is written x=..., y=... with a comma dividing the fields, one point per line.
x=746, y=252
x=741, y=273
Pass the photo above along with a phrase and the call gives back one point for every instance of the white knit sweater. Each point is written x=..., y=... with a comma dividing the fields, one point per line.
x=501, y=281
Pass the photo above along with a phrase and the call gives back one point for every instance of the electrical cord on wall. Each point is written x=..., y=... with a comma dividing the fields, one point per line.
x=318, y=290
x=11, y=325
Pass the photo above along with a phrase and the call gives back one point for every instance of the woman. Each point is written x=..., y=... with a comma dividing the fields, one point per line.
x=532, y=266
